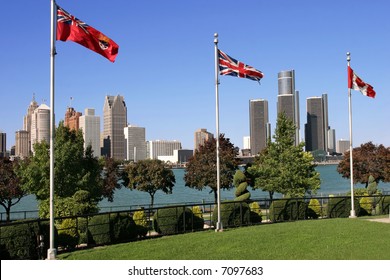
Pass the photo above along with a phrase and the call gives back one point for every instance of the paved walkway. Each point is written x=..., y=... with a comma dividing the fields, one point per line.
x=381, y=220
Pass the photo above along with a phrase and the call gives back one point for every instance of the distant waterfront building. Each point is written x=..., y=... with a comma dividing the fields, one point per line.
x=288, y=99
x=258, y=122
x=40, y=125
x=135, y=143
x=316, y=128
x=331, y=141
x=178, y=157
x=201, y=136
x=22, y=147
x=114, y=121
x=28, y=119
x=158, y=148
x=72, y=119
x=3, y=144
x=342, y=146
x=90, y=125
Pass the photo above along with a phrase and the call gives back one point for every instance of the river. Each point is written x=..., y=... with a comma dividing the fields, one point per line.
x=331, y=183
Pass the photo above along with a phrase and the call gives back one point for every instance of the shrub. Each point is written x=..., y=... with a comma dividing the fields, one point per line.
x=68, y=235
x=141, y=222
x=111, y=228
x=366, y=206
x=287, y=210
x=383, y=206
x=233, y=214
x=255, y=214
x=340, y=207
x=197, y=210
x=314, y=209
x=174, y=220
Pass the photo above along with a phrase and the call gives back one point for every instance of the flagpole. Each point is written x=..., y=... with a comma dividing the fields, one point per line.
x=52, y=252
x=352, y=214
x=219, y=224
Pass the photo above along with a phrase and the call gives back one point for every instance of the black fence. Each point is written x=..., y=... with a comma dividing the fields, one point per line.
x=28, y=238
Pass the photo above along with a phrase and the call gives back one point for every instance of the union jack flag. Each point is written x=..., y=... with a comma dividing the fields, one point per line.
x=66, y=18
x=233, y=67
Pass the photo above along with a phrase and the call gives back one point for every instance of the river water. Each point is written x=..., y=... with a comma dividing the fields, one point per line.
x=331, y=183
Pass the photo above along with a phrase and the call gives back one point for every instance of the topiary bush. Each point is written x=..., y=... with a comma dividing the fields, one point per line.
x=314, y=209
x=111, y=228
x=240, y=182
x=233, y=214
x=366, y=206
x=287, y=210
x=68, y=234
x=175, y=220
x=141, y=222
x=340, y=207
x=255, y=214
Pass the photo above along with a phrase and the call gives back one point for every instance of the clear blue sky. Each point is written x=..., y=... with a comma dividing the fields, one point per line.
x=165, y=65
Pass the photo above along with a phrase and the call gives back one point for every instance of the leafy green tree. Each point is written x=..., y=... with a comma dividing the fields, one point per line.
x=75, y=170
x=150, y=175
x=10, y=191
x=114, y=176
x=201, y=171
x=368, y=159
x=283, y=167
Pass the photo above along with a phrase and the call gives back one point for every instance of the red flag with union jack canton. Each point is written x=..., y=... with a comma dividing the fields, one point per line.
x=233, y=67
x=73, y=29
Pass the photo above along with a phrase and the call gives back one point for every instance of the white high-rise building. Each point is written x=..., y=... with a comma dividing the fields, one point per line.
x=158, y=148
x=40, y=125
x=135, y=143
x=90, y=125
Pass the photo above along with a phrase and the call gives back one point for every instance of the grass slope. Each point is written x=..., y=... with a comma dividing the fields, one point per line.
x=332, y=239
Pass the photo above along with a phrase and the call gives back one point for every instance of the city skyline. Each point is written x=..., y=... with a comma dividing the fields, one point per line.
x=175, y=102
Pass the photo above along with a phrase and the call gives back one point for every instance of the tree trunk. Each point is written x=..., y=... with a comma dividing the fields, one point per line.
x=151, y=199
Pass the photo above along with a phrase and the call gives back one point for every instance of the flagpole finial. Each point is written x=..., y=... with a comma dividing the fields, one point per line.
x=215, y=37
x=348, y=56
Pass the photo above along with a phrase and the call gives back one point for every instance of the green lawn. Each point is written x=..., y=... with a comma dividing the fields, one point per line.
x=330, y=239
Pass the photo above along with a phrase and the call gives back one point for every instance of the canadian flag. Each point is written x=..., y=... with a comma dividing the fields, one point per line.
x=355, y=83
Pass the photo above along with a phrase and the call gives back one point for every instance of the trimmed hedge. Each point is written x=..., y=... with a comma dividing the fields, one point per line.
x=287, y=210
x=340, y=207
x=175, y=220
x=233, y=214
x=111, y=228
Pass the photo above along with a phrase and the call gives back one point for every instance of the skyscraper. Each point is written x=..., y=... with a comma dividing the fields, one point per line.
x=72, y=119
x=3, y=144
x=158, y=148
x=40, y=125
x=316, y=128
x=27, y=120
x=90, y=125
x=288, y=99
x=115, y=119
x=22, y=148
x=258, y=122
x=201, y=136
x=135, y=143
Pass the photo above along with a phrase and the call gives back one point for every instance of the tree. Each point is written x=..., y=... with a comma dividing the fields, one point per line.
x=201, y=171
x=113, y=177
x=10, y=191
x=368, y=159
x=150, y=175
x=282, y=166
x=75, y=170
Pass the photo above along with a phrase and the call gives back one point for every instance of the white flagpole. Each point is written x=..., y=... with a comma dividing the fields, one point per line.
x=219, y=224
x=52, y=252
x=352, y=214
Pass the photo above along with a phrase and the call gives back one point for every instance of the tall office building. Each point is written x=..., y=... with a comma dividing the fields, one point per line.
x=201, y=136
x=27, y=120
x=22, y=147
x=3, y=144
x=90, y=125
x=342, y=146
x=331, y=141
x=288, y=99
x=158, y=148
x=72, y=119
x=40, y=125
x=135, y=143
x=114, y=121
x=258, y=122
x=317, y=126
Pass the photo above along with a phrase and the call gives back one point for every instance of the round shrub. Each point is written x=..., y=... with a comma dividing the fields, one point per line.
x=68, y=235
x=255, y=214
x=287, y=210
x=366, y=206
x=141, y=222
x=314, y=209
x=233, y=214
x=174, y=220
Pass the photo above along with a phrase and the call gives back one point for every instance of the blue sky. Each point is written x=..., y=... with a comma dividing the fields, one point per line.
x=165, y=65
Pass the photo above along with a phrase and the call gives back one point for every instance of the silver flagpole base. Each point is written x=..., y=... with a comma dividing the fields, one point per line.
x=218, y=227
x=51, y=254
x=352, y=214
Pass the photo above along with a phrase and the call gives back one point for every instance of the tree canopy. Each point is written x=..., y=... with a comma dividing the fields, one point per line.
x=201, y=171
x=282, y=166
x=10, y=191
x=368, y=159
x=150, y=175
x=74, y=170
